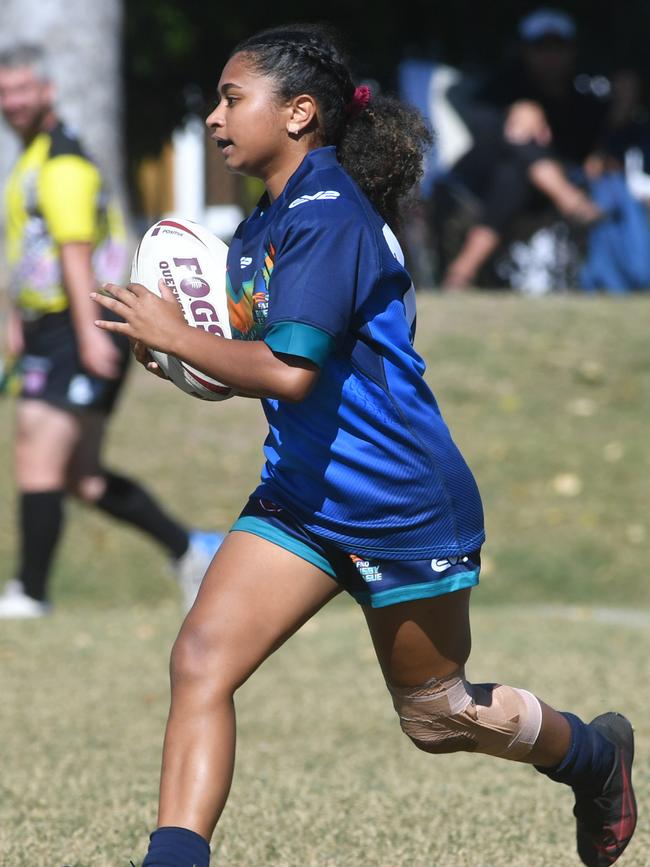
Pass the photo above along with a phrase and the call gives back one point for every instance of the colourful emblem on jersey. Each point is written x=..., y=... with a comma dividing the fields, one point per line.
x=248, y=306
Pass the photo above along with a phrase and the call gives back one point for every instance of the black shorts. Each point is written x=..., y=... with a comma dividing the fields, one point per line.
x=51, y=371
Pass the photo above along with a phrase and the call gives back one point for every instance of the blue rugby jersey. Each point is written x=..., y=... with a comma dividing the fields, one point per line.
x=366, y=460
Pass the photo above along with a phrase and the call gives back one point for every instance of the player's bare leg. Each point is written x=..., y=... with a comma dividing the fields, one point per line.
x=254, y=596
x=422, y=648
x=46, y=437
x=431, y=638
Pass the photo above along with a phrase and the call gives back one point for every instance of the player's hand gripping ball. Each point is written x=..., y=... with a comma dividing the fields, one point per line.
x=192, y=263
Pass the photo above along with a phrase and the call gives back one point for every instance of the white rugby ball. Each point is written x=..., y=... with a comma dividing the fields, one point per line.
x=192, y=262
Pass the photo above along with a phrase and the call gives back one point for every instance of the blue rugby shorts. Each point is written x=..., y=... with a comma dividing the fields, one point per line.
x=376, y=582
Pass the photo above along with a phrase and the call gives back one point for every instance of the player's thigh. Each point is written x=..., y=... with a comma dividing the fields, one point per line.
x=255, y=595
x=415, y=641
x=46, y=437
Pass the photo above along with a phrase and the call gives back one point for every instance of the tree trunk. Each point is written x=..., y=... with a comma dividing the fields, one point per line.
x=83, y=39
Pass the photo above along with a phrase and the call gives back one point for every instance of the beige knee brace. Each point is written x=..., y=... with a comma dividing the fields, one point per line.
x=450, y=714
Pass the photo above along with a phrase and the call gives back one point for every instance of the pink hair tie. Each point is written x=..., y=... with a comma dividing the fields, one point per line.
x=359, y=101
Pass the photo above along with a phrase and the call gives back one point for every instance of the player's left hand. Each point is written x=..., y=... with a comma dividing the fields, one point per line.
x=143, y=357
x=148, y=319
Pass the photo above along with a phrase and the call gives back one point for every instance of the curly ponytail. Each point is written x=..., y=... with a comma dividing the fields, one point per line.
x=380, y=142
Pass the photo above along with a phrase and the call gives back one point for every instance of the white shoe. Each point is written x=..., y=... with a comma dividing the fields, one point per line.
x=16, y=604
x=192, y=566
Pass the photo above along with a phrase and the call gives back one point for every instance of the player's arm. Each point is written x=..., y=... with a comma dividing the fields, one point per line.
x=14, y=336
x=250, y=367
x=69, y=187
x=309, y=274
x=97, y=352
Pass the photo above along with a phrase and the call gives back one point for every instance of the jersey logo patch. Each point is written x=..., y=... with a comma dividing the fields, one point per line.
x=322, y=194
x=245, y=261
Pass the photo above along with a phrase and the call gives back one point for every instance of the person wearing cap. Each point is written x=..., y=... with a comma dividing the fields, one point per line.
x=545, y=22
x=531, y=128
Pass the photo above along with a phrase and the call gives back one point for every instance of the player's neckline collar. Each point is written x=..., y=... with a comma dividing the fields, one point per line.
x=314, y=159
x=319, y=158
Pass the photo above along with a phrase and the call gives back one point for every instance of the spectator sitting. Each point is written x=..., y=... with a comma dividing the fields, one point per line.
x=530, y=128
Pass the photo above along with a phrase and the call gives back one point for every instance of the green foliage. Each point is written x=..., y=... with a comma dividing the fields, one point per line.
x=174, y=51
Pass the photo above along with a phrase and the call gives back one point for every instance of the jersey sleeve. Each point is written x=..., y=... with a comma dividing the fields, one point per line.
x=69, y=189
x=321, y=266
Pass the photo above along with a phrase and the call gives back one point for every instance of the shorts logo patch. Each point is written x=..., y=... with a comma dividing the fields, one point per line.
x=34, y=381
x=322, y=194
x=80, y=390
x=35, y=372
x=269, y=506
x=444, y=563
x=368, y=572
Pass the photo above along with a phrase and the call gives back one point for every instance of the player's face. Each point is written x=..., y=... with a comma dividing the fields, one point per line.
x=249, y=124
x=25, y=100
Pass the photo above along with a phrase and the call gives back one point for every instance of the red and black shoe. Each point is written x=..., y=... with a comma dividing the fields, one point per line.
x=606, y=822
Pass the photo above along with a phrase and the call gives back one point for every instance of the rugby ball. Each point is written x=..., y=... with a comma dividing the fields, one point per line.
x=192, y=262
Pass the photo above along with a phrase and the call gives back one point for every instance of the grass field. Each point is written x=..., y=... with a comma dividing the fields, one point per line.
x=549, y=401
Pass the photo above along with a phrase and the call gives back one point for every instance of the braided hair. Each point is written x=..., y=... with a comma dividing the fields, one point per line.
x=380, y=143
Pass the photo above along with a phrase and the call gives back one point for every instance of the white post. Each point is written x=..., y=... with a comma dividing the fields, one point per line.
x=189, y=169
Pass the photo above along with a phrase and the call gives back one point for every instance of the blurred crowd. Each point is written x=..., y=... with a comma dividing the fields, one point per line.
x=539, y=177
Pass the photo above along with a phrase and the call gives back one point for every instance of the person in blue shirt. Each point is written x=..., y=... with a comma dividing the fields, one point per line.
x=363, y=488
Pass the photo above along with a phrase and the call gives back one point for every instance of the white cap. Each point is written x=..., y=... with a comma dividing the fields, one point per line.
x=547, y=22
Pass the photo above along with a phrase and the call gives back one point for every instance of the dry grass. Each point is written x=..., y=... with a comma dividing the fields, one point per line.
x=549, y=401
x=323, y=776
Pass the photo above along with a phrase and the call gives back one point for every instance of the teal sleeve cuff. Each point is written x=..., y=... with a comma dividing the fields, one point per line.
x=296, y=338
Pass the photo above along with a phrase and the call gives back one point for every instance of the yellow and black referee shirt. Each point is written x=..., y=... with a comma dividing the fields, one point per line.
x=55, y=196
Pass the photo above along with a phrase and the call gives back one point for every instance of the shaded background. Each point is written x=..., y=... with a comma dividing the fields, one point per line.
x=130, y=70
x=189, y=43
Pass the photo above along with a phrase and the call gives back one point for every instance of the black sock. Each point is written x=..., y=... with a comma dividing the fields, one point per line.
x=127, y=501
x=41, y=522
